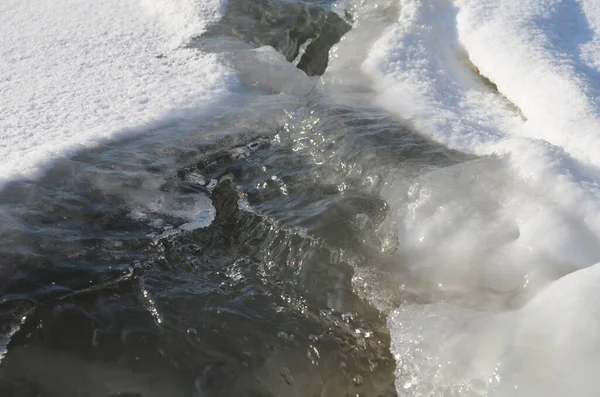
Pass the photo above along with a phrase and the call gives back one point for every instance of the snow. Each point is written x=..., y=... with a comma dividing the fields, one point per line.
x=75, y=73
x=547, y=348
x=427, y=68
x=544, y=57
x=516, y=82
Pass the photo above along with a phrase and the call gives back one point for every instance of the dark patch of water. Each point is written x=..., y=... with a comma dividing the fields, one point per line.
x=259, y=303
x=301, y=31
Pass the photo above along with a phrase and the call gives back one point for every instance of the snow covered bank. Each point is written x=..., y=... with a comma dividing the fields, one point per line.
x=517, y=82
x=74, y=73
x=482, y=80
x=544, y=56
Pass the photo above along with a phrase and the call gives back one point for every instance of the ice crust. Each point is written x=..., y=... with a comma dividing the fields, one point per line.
x=75, y=73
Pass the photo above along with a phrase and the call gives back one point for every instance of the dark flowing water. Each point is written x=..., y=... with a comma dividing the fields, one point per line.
x=219, y=264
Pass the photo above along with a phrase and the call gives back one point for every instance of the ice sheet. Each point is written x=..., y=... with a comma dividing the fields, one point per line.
x=74, y=73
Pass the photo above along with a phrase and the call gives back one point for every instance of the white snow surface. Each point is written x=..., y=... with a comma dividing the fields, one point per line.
x=74, y=73
x=514, y=79
x=544, y=56
x=504, y=247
